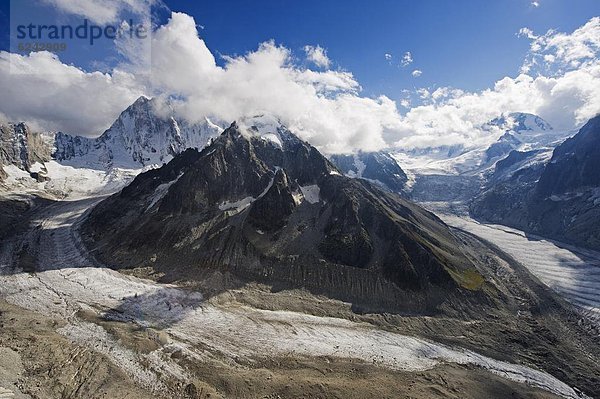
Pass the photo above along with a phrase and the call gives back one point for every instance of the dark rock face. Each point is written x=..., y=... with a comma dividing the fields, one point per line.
x=21, y=147
x=513, y=158
x=375, y=166
x=271, y=211
x=503, y=146
x=575, y=164
x=68, y=147
x=279, y=214
x=559, y=199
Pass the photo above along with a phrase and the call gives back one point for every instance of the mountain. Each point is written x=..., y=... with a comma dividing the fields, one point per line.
x=557, y=197
x=21, y=147
x=459, y=173
x=144, y=134
x=378, y=167
x=278, y=211
x=522, y=132
x=520, y=123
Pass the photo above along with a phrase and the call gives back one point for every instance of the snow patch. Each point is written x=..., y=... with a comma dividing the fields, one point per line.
x=273, y=138
x=245, y=202
x=359, y=165
x=266, y=126
x=237, y=205
x=311, y=193
x=161, y=191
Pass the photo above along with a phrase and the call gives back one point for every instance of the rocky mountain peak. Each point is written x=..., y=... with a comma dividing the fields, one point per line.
x=378, y=167
x=255, y=207
x=146, y=133
x=22, y=147
x=520, y=122
x=575, y=164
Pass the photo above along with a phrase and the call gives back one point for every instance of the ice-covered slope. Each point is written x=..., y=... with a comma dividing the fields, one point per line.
x=145, y=134
x=459, y=173
x=378, y=167
x=573, y=272
x=514, y=131
x=557, y=197
x=523, y=132
x=71, y=287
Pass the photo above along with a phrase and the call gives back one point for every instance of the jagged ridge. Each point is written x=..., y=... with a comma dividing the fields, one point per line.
x=279, y=212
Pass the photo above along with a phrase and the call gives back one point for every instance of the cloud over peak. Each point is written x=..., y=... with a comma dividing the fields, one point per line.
x=322, y=105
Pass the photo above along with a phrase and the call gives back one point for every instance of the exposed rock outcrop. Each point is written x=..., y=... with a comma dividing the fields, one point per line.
x=280, y=212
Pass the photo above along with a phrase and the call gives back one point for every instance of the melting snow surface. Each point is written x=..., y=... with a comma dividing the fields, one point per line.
x=570, y=271
x=237, y=205
x=160, y=192
x=311, y=193
x=68, y=281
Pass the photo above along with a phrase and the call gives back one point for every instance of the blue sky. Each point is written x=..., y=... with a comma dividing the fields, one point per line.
x=206, y=60
x=467, y=44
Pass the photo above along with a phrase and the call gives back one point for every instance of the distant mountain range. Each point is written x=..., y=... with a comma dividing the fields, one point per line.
x=557, y=196
x=145, y=135
x=378, y=167
x=517, y=180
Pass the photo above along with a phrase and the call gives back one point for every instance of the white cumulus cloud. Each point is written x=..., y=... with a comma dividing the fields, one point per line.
x=557, y=52
x=416, y=73
x=406, y=59
x=323, y=106
x=50, y=95
x=101, y=11
x=317, y=55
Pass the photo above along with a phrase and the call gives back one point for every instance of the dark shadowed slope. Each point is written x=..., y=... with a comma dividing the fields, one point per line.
x=279, y=211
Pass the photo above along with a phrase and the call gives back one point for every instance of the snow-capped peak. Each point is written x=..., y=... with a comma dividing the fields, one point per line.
x=520, y=122
x=147, y=133
x=267, y=126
